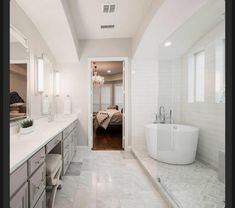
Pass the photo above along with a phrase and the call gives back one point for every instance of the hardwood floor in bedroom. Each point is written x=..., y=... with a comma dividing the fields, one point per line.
x=107, y=140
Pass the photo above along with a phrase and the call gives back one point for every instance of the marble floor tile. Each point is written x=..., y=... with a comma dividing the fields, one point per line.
x=107, y=179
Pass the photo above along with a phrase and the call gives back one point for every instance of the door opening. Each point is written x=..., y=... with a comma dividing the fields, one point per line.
x=107, y=105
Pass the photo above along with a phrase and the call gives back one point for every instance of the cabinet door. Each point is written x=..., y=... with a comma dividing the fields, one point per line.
x=20, y=200
x=18, y=178
x=37, y=184
x=41, y=203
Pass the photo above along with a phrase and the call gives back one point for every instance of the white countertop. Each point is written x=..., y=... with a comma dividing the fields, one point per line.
x=22, y=147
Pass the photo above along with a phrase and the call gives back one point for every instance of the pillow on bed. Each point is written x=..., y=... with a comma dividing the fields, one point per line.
x=113, y=107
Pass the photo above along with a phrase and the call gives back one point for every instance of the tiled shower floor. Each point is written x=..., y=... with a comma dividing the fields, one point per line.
x=190, y=186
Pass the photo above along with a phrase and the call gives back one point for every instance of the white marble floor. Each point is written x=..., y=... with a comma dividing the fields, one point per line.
x=107, y=179
x=190, y=186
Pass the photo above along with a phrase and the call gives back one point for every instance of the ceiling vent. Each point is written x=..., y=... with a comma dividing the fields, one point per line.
x=109, y=8
x=106, y=26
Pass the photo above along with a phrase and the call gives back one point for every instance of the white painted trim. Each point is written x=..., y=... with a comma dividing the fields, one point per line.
x=90, y=110
x=19, y=36
x=27, y=62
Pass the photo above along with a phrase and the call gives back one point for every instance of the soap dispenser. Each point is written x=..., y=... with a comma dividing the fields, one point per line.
x=67, y=105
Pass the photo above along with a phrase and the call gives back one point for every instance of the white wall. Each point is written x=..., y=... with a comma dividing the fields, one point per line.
x=75, y=77
x=37, y=46
x=208, y=116
x=170, y=87
x=144, y=94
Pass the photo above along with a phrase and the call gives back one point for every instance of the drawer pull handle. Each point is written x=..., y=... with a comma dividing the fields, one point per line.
x=40, y=161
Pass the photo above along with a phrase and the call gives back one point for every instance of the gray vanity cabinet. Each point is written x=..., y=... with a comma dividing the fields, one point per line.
x=69, y=145
x=28, y=182
x=20, y=199
x=37, y=184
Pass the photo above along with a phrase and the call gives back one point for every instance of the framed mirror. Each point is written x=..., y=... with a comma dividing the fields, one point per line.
x=19, y=75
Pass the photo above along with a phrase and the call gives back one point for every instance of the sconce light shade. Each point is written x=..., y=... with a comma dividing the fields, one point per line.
x=40, y=70
x=57, y=83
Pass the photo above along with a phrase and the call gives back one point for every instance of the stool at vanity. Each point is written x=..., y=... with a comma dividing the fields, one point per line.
x=53, y=174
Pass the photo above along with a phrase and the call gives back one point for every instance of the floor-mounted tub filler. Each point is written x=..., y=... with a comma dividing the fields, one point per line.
x=172, y=143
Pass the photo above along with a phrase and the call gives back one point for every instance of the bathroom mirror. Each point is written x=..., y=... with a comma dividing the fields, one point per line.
x=19, y=75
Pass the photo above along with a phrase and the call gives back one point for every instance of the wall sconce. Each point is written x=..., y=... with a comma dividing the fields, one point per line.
x=57, y=83
x=40, y=75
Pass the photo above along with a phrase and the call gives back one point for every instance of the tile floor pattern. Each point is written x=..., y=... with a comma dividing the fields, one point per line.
x=191, y=186
x=108, y=179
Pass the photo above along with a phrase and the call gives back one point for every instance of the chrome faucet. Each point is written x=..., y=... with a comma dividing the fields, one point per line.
x=162, y=115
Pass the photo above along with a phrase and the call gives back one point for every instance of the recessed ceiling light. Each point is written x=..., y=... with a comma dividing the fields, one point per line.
x=109, y=71
x=167, y=44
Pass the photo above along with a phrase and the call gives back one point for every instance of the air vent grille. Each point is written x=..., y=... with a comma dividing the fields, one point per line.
x=109, y=8
x=106, y=26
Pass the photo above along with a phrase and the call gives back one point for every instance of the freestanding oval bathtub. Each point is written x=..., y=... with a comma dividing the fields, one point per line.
x=172, y=143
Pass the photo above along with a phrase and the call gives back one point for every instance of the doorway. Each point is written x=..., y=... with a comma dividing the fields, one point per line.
x=107, y=123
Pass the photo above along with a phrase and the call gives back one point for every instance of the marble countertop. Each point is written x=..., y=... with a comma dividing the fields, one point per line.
x=22, y=147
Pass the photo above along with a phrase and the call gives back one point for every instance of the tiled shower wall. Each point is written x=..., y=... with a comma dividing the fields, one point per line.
x=144, y=88
x=208, y=116
x=170, y=88
x=165, y=83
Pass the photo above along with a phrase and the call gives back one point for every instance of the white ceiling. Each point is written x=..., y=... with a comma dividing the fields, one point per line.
x=87, y=16
x=195, y=27
x=51, y=21
x=103, y=66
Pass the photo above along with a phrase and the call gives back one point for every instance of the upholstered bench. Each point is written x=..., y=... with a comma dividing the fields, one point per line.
x=53, y=174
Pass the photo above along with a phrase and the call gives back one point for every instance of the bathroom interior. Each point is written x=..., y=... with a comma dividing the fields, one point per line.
x=164, y=147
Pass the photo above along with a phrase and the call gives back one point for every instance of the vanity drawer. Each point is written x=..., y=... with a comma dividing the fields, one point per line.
x=42, y=201
x=50, y=145
x=37, y=184
x=36, y=160
x=18, y=178
x=67, y=131
x=20, y=200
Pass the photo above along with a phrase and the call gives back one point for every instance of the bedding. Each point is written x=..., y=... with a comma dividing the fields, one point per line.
x=107, y=118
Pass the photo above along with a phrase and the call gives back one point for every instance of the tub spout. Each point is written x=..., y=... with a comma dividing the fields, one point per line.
x=162, y=115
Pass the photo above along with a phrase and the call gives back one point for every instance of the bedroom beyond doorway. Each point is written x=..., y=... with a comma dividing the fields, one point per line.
x=107, y=105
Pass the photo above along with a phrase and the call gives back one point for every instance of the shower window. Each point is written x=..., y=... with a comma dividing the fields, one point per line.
x=220, y=71
x=199, y=73
x=196, y=74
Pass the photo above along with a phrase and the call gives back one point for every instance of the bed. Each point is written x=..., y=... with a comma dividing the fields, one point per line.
x=108, y=120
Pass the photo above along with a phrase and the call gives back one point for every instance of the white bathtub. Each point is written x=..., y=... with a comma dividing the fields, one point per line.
x=172, y=143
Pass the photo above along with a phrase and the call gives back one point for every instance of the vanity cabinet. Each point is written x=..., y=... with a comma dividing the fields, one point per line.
x=42, y=201
x=37, y=184
x=69, y=145
x=28, y=182
x=20, y=199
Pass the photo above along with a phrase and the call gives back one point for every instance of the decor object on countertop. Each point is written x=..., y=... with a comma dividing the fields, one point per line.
x=26, y=126
x=67, y=105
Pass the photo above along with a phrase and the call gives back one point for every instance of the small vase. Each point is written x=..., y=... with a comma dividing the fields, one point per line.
x=26, y=130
